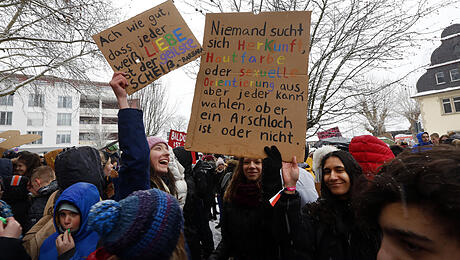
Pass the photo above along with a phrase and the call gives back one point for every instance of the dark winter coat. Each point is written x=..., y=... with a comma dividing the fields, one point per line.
x=6, y=168
x=16, y=195
x=38, y=203
x=79, y=164
x=247, y=221
x=195, y=220
x=11, y=248
x=83, y=196
x=134, y=173
x=246, y=233
x=326, y=229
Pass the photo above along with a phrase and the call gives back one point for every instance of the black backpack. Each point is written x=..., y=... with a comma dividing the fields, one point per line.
x=203, y=176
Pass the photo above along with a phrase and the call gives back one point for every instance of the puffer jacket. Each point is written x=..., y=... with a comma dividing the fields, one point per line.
x=371, y=153
x=178, y=172
x=82, y=195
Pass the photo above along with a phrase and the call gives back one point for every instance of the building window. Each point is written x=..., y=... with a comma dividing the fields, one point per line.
x=440, y=79
x=64, y=102
x=64, y=119
x=63, y=138
x=40, y=133
x=457, y=104
x=86, y=102
x=447, y=105
x=454, y=75
x=86, y=137
x=6, y=100
x=109, y=104
x=6, y=118
x=85, y=120
x=36, y=100
x=109, y=120
x=35, y=119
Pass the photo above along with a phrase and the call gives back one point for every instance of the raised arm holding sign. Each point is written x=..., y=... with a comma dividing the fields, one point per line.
x=149, y=45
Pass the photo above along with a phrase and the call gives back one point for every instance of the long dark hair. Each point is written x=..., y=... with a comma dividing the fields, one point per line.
x=237, y=178
x=352, y=168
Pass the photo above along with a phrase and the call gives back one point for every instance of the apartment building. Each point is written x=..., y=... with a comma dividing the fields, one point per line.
x=64, y=112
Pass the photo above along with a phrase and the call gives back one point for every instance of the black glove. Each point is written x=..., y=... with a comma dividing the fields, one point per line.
x=271, y=178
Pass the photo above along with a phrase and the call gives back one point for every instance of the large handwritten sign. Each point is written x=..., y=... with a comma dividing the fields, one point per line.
x=251, y=89
x=176, y=138
x=332, y=132
x=149, y=45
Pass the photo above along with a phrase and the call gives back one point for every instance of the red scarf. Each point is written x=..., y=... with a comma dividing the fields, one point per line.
x=248, y=195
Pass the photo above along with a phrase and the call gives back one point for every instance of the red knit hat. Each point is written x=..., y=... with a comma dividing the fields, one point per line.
x=371, y=153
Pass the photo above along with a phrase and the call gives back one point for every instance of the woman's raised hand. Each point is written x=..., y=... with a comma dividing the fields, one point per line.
x=290, y=172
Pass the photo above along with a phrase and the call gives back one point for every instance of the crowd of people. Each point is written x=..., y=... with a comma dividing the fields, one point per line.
x=146, y=200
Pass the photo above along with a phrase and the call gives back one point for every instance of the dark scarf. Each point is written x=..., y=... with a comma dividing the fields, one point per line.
x=248, y=195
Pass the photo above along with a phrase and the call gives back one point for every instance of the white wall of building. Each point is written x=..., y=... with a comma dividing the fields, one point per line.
x=52, y=91
x=433, y=117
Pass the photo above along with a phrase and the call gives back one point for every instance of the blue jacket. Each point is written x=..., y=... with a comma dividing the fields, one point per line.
x=134, y=173
x=83, y=195
x=420, y=141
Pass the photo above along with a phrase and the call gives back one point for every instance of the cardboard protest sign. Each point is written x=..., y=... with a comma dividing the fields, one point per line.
x=149, y=45
x=176, y=138
x=251, y=89
x=333, y=132
x=50, y=157
x=13, y=138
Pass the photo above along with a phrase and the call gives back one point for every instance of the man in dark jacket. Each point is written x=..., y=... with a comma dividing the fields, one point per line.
x=42, y=185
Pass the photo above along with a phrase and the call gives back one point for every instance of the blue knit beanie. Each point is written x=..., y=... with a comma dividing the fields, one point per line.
x=144, y=225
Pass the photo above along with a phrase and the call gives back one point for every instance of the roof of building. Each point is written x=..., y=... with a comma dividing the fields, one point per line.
x=436, y=91
x=443, y=59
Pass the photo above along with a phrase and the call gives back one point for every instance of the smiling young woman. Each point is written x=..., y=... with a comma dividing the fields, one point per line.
x=160, y=175
x=328, y=228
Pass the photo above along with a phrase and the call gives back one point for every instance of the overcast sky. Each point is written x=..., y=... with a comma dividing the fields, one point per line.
x=181, y=87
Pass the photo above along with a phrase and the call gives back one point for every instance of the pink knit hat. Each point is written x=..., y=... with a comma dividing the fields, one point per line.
x=153, y=140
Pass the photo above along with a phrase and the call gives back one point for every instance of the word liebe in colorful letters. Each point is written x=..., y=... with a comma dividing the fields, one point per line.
x=149, y=45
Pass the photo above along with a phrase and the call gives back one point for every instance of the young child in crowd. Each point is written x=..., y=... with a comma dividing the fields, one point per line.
x=42, y=185
x=72, y=239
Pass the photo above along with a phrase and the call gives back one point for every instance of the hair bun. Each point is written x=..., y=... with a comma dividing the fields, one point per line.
x=103, y=216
